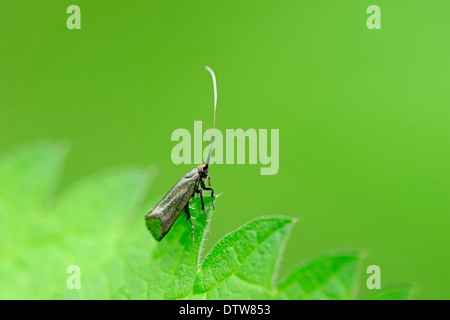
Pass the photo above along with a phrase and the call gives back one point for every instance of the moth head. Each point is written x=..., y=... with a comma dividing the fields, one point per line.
x=203, y=170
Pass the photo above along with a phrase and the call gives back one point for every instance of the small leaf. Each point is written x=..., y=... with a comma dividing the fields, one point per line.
x=243, y=264
x=330, y=276
x=398, y=292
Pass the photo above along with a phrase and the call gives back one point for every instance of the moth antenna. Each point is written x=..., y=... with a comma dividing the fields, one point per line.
x=215, y=105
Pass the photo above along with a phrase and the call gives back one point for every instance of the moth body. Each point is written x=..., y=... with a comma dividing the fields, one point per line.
x=162, y=217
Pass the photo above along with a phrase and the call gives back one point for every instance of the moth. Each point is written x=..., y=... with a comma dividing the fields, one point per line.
x=162, y=217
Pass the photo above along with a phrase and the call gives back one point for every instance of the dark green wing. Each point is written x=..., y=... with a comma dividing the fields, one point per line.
x=161, y=218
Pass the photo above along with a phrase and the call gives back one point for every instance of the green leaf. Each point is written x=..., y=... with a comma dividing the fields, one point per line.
x=98, y=225
x=243, y=264
x=27, y=178
x=84, y=227
x=331, y=276
x=399, y=292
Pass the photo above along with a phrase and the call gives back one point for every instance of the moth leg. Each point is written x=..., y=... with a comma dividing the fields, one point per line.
x=210, y=189
x=188, y=216
x=199, y=191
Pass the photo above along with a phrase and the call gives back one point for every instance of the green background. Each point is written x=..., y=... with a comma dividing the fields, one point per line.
x=363, y=114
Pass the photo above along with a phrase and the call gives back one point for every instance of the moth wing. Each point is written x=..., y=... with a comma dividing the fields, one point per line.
x=161, y=218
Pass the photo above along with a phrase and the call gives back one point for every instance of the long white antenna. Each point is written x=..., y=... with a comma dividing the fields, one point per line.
x=215, y=105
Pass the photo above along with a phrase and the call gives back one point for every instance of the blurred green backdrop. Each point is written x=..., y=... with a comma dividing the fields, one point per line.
x=363, y=114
